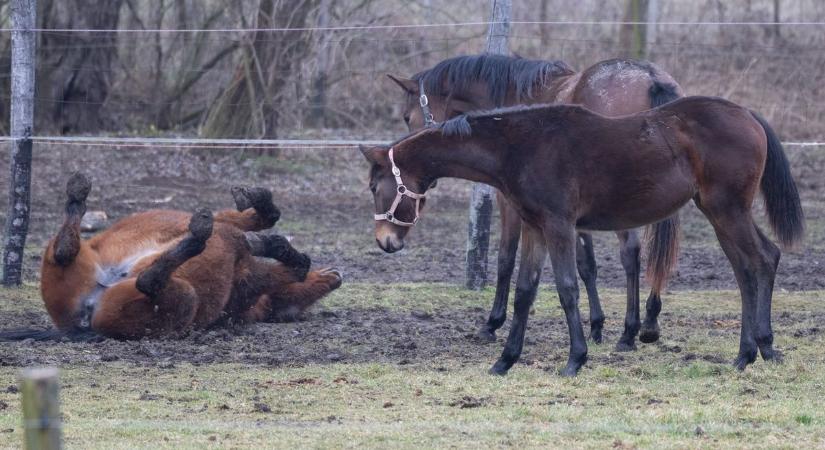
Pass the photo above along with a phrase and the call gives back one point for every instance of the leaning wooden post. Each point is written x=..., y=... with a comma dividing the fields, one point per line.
x=22, y=117
x=481, y=201
x=41, y=409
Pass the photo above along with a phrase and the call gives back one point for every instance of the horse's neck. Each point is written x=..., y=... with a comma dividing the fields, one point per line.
x=558, y=89
x=440, y=156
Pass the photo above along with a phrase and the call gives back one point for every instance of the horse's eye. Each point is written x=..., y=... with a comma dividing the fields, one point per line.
x=372, y=187
x=407, y=119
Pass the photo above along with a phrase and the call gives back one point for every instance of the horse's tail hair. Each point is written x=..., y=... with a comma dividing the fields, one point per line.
x=49, y=335
x=781, y=196
x=662, y=249
x=662, y=92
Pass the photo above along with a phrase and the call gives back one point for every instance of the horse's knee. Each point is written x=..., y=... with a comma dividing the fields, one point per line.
x=568, y=292
x=630, y=253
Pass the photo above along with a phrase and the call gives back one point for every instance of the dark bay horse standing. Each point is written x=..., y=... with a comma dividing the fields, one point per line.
x=564, y=168
x=612, y=88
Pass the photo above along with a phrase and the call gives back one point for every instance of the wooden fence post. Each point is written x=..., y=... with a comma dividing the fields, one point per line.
x=41, y=409
x=481, y=201
x=22, y=118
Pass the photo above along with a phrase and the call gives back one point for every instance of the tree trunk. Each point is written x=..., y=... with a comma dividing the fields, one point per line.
x=481, y=201
x=22, y=117
x=75, y=69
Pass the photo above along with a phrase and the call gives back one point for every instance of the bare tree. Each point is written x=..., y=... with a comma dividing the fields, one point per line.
x=75, y=69
x=249, y=105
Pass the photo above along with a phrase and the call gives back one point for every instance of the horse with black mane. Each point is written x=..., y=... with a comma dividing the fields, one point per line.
x=612, y=88
x=565, y=168
x=164, y=272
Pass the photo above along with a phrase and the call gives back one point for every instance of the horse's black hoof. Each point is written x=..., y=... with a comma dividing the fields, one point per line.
x=200, y=225
x=596, y=336
x=485, y=335
x=742, y=361
x=499, y=368
x=571, y=370
x=625, y=346
x=78, y=187
x=774, y=356
x=242, y=201
x=649, y=335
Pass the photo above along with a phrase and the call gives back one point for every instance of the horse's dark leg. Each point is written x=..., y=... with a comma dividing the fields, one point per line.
x=630, y=261
x=153, y=279
x=255, y=210
x=586, y=263
x=278, y=247
x=561, y=243
x=507, y=248
x=764, y=331
x=740, y=241
x=533, y=254
x=67, y=244
x=650, y=326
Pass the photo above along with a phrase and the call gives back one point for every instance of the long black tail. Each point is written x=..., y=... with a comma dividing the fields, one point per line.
x=781, y=196
x=49, y=335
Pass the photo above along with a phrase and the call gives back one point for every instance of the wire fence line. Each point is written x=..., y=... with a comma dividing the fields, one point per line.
x=407, y=26
x=309, y=144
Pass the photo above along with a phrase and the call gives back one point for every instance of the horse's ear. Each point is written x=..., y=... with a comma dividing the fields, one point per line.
x=407, y=84
x=373, y=154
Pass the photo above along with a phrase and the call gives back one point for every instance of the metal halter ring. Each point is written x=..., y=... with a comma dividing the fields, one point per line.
x=401, y=191
x=429, y=119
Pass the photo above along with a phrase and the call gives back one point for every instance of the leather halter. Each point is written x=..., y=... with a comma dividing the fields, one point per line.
x=429, y=120
x=401, y=191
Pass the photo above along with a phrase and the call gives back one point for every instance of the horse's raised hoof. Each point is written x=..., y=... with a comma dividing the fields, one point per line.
x=334, y=277
x=485, y=335
x=78, y=187
x=649, y=335
x=500, y=368
x=625, y=346
x=571, y=370
x=200, y=225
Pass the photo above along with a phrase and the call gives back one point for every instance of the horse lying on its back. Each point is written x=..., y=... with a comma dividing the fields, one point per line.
x=165, y=272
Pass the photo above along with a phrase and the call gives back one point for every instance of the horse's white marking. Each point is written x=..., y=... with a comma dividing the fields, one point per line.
x=107, y=277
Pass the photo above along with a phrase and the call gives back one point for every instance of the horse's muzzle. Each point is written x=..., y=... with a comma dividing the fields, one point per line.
x=390, y=244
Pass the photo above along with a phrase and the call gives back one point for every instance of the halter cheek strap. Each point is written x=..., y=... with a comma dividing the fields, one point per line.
x=401, y=191
x=429, y=120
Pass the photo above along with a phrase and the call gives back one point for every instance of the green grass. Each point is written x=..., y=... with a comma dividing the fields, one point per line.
x=653, y=399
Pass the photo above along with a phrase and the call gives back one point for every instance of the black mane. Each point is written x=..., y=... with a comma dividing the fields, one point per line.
x=499, y=72
x=460, y=125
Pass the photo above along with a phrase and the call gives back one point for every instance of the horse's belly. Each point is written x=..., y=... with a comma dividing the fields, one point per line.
x=633, y=211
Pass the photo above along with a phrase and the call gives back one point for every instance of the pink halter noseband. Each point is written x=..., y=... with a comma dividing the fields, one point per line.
x=400, y=192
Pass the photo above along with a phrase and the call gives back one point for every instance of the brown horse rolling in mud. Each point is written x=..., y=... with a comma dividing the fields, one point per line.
x=565, y=168
x=612, y=88
x=165, y=272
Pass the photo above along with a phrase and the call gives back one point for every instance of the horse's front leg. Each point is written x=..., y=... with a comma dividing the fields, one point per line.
x=533, y=254
x=561, y=244
x=507, y=248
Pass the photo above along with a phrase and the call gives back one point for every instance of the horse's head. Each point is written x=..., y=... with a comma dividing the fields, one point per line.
x=399, y=197
x=439, y=106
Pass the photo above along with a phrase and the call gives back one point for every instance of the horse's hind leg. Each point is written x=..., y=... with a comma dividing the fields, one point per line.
x=153, y=279
x=507, y=248
x=67, y=244
x=289, y=301
x=586, y=264
x=630, y=261
x=754, y=269
x=764, y=330
x=278, y=247
x=255, y=210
